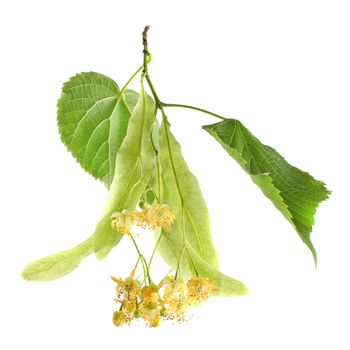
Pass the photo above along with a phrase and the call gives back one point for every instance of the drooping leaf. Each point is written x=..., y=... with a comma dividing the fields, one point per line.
x=92, y=118
x=295, y=193
x=182, y=193
x=135, y=162
x=57, y=265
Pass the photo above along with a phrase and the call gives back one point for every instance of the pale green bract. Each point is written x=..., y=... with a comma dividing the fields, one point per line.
x=92, y=119
x=134, y=164
x=182, y=193
x=295, y=193
x=180, y=190
x=59, y=264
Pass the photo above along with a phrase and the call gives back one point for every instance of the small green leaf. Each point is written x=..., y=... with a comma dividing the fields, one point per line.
x=135, y=163
x=295, y=193
x=155, y=136
x=148, y=197
x=92, y=119
x=57, y=265
x=182, y=193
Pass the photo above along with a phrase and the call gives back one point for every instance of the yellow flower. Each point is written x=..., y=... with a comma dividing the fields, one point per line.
x=122, y=222
x=151, y=305
x=175, y=300
x=199, y=289
x=128, y=292
x=151, y=316
x=157, y=216
x=129, y=307
x=127, y=288
x=149, y=295
x=177, y=309
x=175, y=289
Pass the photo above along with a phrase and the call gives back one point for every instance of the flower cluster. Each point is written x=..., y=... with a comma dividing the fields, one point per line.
x=169, y=300
x=146, y=302
x=152, y=217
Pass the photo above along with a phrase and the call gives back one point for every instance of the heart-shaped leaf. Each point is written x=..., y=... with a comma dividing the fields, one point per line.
x=92, y=119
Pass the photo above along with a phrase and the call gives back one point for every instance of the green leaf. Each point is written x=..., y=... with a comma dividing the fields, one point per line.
x=182, y=193
x=92, y=118
x=135, y=162
x=295, y=193
x=57, y=265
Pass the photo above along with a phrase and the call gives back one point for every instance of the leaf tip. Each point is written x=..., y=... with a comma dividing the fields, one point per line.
x=243, y=290
x=314, y=253
x=28, y=272
x=232, y=288
x=24, y=274
x=101, y=253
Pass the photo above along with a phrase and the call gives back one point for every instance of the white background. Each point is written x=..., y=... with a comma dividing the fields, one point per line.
x=281, y=67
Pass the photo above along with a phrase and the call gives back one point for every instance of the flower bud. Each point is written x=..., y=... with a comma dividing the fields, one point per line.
x=119, y=318
x=137, y=313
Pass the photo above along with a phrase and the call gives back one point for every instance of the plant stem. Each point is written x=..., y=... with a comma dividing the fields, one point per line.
x=193, y=264
x=130, y=79
x=146, y=59
x=160, y=105
x=145, y=50
x=154, y=250
x=154, y=93
x=160, y=197
x=192, y=107
x=137, y=262
x=164, y=278
x=178, y=268
x=143, y=260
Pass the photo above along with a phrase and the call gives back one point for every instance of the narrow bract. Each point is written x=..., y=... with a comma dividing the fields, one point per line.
x=182, y=193
x=58, y=265
x=134, y=165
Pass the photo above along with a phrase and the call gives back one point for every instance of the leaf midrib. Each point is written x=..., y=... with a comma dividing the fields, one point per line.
x=88, y=110
x=138, y=160
x=65, y=257
x=183, y=205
